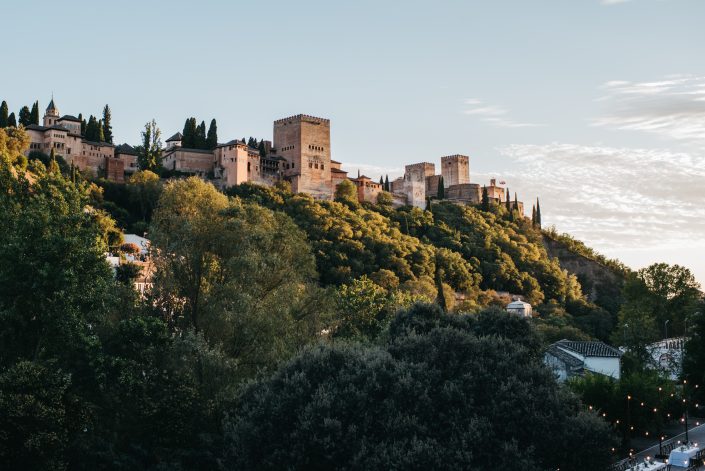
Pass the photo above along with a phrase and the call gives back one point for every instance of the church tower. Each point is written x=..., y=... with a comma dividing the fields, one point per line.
x=52, y=114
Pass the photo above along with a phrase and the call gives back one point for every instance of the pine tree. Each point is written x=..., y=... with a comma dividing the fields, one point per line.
x=34, y=114
x=11, y=121
x=538, y=214
x=441, y=189
x=212, y=137
x=3, y=114
x=386, y=184
x=485, y=199
x=200, y=136
x=107, y=128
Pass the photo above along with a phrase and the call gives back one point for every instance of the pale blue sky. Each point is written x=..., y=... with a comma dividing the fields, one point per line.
x=597, y=107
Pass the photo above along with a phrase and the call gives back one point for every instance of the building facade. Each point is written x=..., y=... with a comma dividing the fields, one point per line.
x=63, y=135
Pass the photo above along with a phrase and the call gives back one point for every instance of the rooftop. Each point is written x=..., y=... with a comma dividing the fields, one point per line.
x=125, y=149
x=68, y=117
x=566, y=358
x=302, y=117
x=176, y=137
x=589, y=349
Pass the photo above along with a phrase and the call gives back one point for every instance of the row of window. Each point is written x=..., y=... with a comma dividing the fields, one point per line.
x=312, y=147
x=312, y=165
x=287, y=148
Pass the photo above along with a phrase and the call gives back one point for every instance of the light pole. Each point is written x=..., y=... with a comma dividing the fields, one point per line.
x=629, y=421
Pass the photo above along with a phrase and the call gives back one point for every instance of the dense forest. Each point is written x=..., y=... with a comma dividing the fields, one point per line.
x=285, y=332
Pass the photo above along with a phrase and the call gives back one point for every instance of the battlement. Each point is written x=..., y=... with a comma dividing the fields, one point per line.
x=455, y=157
x=303, y=117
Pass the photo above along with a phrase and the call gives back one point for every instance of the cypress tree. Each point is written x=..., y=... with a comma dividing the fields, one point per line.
x=53, y=166
x=516, y=202
x=212, y=137
x=34, y=114
x=106, y=127
x=3, y=114
x=101, y=132
x=201, y=136
x=441, y=297
x=12, y=121
x=83, y=124
x=441, y=189
x=485, y=199
x=533, y=215
x=538, y=214
x=386, y=183
x=25, y=116
x=91, y=131
x=508, y=202
x=262, y=149
x=358, y=173
x=381, y=182
x=189, y=133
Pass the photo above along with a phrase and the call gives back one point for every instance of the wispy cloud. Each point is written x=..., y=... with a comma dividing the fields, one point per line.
x=613, y=2
x=614, y=197
x=673, y=107
x=492, y=114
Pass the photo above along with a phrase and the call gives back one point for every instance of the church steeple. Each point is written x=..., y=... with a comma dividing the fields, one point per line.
x=52, y=113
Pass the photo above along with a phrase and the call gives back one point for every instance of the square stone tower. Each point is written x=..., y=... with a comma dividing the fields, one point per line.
x=455, y=170
x=415, y=176
x=304, y=142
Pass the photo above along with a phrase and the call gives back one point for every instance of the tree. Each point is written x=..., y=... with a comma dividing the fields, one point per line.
x=56, y=292
x=145, y=188
x=538, y=214
x=384, y=198
x=238, y=274
x=101, y=135
x=508, y=202
x=34, y=114
x=533, y=215
x=12, y=121
x=189, y=133
x=150, y=157
x=346, y=192
x=92, y=132
x=107, y=127
x=386, y=184
x=4, y=114
x=381, y=182
x=424, y=400
x=441, y=189
x=84, y=125
x=364, y=308
x=212, y=138
x=200, y=139
x=694, y=354
x=673, y=294
x=25, y=117
x=485, y=204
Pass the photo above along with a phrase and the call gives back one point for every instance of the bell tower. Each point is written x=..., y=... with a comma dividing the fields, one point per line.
x=52, y=114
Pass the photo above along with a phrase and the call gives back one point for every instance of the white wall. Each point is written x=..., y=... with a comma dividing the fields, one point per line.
x=606, y=365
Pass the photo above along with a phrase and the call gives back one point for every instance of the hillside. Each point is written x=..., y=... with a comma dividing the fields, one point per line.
x=476, y=254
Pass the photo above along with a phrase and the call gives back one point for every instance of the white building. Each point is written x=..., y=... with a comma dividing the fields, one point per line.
x=520, y=308
x=667, y=356
x=569, y=358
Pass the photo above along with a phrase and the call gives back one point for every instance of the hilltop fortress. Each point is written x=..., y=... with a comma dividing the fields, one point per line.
x=300, y=154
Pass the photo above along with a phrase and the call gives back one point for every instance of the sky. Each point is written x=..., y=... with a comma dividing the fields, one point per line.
x=597, y=107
